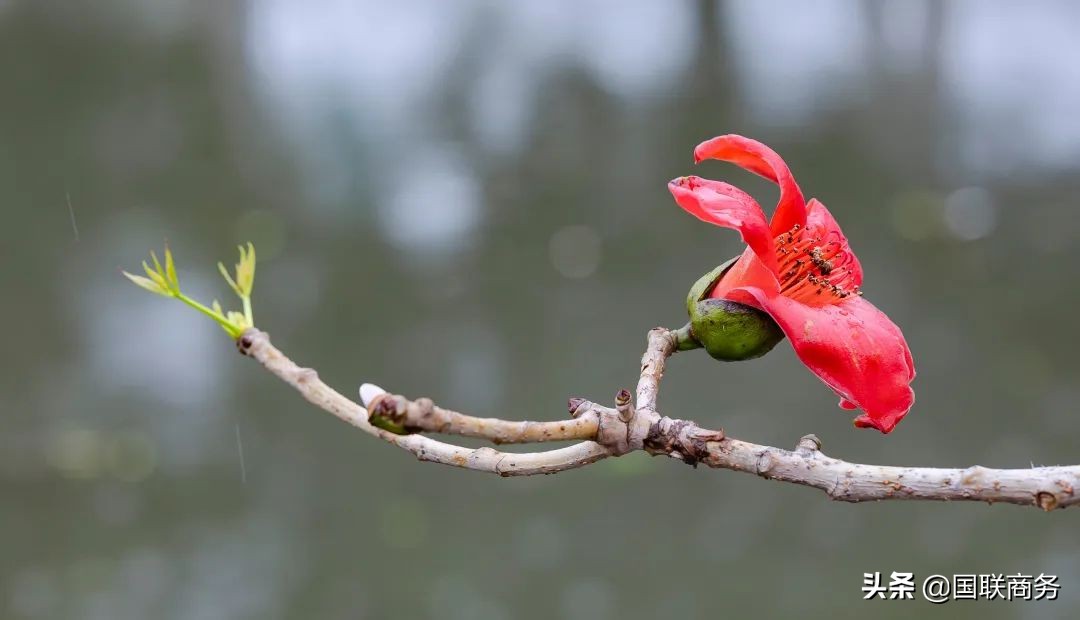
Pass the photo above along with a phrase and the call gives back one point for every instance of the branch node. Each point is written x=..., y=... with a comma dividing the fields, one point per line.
x=387, y=412
x=424, y=407
x=612, y=432
x=808, y=444
x=577, y=406
x=765, y=463
x=1046, y=500
x=624, y=404
x=244, y=343
x=680, y=439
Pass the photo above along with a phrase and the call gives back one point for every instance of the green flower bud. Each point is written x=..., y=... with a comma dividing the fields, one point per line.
x=727, y=330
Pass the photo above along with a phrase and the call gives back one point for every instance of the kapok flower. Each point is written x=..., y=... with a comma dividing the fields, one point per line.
x=799, y=269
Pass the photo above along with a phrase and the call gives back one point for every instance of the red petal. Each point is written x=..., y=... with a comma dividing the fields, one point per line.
x=851, y=346
x=820, y=223
x=724, y=205
x=747, y=271
x=760, y=159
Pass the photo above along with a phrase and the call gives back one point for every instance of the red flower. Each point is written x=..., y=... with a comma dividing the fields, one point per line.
x=800, y=270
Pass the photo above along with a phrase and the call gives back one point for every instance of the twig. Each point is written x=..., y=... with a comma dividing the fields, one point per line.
x=1045, y=487
x=627, y=428
x=423, y=415
x=256, y=344
x=661, y=345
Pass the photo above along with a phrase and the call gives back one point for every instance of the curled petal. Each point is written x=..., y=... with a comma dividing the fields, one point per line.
x=762, y=160
x=749, y=270
x=724, y=205
x=851, y=346
x=820, y=223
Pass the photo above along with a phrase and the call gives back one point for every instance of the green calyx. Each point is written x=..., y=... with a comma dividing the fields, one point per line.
x=727, y=330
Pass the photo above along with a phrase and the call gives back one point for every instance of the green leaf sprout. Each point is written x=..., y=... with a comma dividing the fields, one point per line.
x=164, y=281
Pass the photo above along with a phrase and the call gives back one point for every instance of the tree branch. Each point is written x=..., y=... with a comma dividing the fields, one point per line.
x=256, y=344
x=422, y=415
x=629, y=427
x=1045, y=487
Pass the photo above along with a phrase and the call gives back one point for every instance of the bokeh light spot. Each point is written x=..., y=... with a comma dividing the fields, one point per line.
x=970, y=213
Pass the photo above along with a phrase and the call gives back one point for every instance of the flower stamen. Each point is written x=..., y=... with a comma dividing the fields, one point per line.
x=812, y=270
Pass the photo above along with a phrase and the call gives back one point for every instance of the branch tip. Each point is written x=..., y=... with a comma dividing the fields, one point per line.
x=576, y=406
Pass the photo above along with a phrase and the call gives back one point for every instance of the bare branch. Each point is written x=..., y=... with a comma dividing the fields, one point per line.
x=661, y=346
x=629, y=427
x=256, y=344
x=424, y=415
x=1045, y=487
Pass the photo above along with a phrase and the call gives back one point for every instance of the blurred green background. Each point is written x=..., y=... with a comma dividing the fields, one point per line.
x=466, y=200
